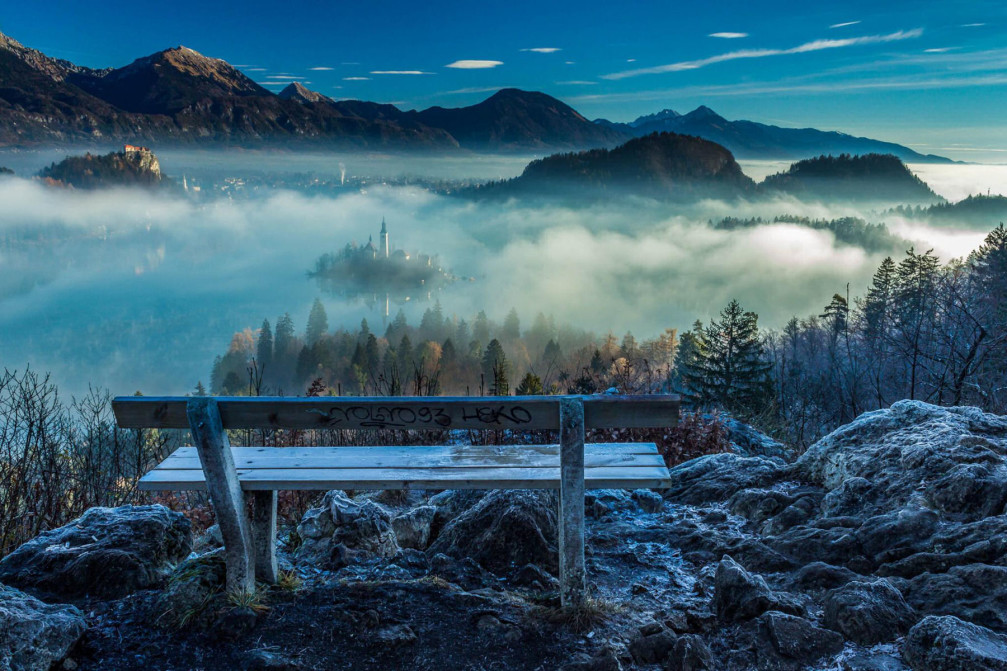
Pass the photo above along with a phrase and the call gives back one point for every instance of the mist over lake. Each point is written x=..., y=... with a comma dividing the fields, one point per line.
x=138, y=291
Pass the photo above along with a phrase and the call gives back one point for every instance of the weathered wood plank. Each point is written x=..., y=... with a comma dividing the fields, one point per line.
x=440, y=478
x=332, y=459
x=425, y=450
x=264, y=535
x=572, y=586
x=415, y=413
x=225, y=492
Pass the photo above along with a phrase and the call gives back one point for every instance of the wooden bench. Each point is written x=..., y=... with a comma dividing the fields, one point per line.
x=230, y=474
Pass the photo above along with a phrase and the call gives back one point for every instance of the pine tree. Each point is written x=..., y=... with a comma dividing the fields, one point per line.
x=915, y=299
x=404, y=357
x=877, y=306
x=264, y=349
x=494, y=367
x=284, y=341
x=481, y=328
x=552, y=354
x=373, y=355
x=511, y=330
x=318, y=323
x=989, y=267
x=731, y=372
x=448, y=354
x=531, y=385
x=689, y=377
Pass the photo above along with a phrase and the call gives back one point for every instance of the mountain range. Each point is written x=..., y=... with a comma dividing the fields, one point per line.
x=753, y=140
x=178, y=97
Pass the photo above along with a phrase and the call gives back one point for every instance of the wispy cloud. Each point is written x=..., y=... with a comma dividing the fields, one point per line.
x=844, y=24
x=787, y=88
x=321, y=68
x=289, y=77
x=570, y=62
x=543, y=50
x=941, y=50
x=631, y=60
x=356, y=79
x=973, y=25
x=472, y=89
x=473, y=65
x=576, y=82
x=400, y=72
x=729, y=36
x=807, y=47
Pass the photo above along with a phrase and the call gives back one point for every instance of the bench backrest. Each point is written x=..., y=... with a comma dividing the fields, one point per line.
x=410, y=412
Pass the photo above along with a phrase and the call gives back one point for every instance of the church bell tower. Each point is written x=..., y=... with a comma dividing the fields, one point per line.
x=384, y=237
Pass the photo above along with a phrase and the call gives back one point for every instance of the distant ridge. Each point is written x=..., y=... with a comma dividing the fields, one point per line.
x=179, y=96
x=664, y=166
x=753, y=140
x=871, y=177
x=512, y=119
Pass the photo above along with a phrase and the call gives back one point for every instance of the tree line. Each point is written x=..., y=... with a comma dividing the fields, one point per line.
x=440, y=355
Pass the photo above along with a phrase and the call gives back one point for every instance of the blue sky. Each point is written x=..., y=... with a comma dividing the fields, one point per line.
x=929, y=74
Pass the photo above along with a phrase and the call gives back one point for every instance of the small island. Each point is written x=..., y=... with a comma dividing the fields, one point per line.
x=133, y=166
x=378, y=272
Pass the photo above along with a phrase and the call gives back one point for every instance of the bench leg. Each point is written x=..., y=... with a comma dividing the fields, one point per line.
x=225, y=492
x=264, y=535
x=572, y=586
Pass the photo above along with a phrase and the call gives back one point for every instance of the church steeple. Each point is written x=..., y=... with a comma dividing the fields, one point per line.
x=384, y=237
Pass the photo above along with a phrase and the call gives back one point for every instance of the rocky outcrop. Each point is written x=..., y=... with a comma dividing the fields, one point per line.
x=739, y=595
x=718, y=477
x=748, y=441
x=107, y=553
x=35, y=635
x=948, y=459
x=342, y=529
x=863, y=555
x=949, y=644
x=868, y=612
x=505, y=530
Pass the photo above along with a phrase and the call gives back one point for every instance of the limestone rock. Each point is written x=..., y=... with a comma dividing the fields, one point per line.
x=868, y=612
x=506, y=529
x=106, y=553
x=412, y=528
x=739, y=595
x=35, y=635
x=342, y=528
x=945, y=643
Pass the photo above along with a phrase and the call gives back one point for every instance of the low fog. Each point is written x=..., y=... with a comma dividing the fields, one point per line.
x=134, y=291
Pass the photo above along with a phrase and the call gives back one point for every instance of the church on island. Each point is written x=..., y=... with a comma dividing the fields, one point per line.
x=378, y=271
x=384, y=251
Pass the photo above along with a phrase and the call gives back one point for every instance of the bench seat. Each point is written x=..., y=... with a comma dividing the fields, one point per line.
x=606, y=465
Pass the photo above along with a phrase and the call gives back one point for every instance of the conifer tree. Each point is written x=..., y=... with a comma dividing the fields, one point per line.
x=284, y=340
x=494, y=367
x=728, y=368
x=531, y=385
x=511, y=329
x=264, y=348
x=318, y=323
